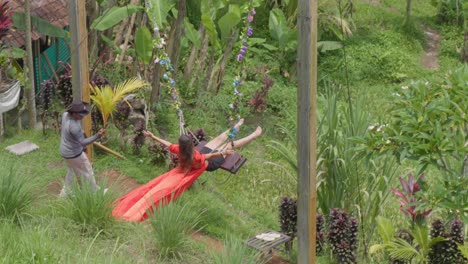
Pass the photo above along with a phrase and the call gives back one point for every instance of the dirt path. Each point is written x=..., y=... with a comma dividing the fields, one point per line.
x=430, y=58
x=122, y=184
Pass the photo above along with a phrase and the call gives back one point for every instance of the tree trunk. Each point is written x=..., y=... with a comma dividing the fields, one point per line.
x=465, y=39
x=2, y=130
x=193, y=56
x=222, y=67
x=93, y=12
x=129, y=32
x=201, y=65
x=209, y=69
x=408, y=14
x=30, y=92
x=177, y=27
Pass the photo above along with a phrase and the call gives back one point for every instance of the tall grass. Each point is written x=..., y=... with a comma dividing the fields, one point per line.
x=92, y=210
x=172, y=223
x=15, y=192
x=235, y=252
x=26, y=245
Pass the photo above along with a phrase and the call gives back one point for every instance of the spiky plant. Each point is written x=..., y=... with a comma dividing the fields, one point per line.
x=106, y=98
x=447, y=251
x=64, y=85
x=320, y=233
x=288, y=219
x=342, y=235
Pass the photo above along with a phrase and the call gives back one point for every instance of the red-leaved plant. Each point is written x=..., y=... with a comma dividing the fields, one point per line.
x=409, y=200
x=5, y=18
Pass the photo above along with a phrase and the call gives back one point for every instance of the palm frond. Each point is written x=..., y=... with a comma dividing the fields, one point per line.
x=106, y=98
x=385, y=229
x=401, y=249
x=126, y=87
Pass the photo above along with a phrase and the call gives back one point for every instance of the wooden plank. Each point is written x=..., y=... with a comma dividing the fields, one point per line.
x=307, y=138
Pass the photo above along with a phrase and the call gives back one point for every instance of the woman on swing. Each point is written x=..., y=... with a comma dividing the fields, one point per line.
x=214, y=151
x=134, y=206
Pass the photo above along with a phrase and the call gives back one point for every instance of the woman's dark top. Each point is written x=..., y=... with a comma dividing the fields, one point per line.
x=213, y=163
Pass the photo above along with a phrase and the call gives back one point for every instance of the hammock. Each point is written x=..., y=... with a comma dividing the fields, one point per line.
x=134, y=206
x=9, y=98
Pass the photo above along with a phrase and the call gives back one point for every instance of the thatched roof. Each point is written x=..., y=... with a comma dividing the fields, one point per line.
x=54, y=11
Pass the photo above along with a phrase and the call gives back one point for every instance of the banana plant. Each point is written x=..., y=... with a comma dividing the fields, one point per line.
x=106, y=98
x=42, y=26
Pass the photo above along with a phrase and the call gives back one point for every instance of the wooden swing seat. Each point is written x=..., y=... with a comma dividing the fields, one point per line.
x=232, y=163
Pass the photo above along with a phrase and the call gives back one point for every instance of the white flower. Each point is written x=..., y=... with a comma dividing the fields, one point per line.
x=404, y=87
x=396, y=94
x=388, y=141
x=371, y=127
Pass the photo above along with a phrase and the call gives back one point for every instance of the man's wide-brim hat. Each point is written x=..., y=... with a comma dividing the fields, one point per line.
x=81, y=108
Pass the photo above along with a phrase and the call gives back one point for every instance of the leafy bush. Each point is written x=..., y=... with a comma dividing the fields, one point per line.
x=427, y=124
x=15, y=193
x=171, y=224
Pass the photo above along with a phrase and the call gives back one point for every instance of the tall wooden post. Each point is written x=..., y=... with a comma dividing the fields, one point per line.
x=307, y=129
x=30, y=88
x=79, y=60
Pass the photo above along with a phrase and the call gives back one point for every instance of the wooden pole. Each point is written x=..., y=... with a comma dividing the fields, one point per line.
x=30, y=88
x=79, y=61
x=307, y=129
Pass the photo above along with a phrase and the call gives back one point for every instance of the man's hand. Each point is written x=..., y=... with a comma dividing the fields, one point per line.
x=102, y=132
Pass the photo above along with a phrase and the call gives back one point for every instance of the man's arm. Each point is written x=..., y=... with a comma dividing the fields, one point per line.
x=77, y=133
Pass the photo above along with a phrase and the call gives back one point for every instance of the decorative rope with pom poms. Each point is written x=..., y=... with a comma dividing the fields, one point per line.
x=234, y=107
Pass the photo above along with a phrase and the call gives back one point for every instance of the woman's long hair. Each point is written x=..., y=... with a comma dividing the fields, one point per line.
x=185, y=152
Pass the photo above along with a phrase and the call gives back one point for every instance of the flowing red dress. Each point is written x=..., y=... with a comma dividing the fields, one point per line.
x=134, y=206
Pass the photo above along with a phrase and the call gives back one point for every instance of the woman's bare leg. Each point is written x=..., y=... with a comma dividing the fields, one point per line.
x=219, y=140
x=243, y=141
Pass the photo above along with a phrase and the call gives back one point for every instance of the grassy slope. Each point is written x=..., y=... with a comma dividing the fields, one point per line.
x=379, y=62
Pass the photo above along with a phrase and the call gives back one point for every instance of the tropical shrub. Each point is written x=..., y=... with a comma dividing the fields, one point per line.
x=258, y=101
x=343, y=236
x=428, y=124
x=106, y=98
x=447, y=251
x=412, y=246
x=288, y=218
x=410, y=204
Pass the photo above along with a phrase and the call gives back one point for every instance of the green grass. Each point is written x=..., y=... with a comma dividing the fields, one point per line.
x=380, y=58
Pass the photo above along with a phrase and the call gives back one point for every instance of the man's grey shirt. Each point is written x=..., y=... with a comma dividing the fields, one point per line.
x=73, y=141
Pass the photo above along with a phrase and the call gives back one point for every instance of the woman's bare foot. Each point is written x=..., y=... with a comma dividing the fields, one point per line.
x=258, y=131
x=239, y=123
